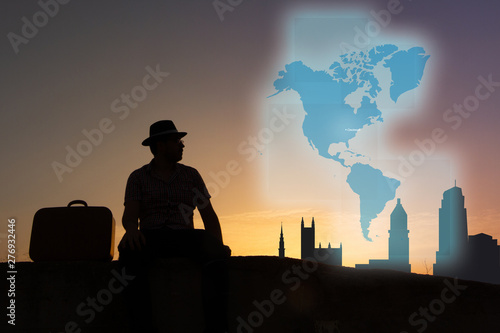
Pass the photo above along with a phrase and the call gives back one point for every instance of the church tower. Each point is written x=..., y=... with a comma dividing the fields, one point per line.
x=399, y=241
x=282, y=244
x=329, y=256
x=307, y=240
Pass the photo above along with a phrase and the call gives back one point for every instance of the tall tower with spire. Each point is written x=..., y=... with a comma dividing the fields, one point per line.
x=399, y=244
x=453, y=234
x=282, y=244
x=399, y=241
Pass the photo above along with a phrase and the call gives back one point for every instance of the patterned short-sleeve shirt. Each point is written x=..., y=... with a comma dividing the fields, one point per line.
x=166, y=203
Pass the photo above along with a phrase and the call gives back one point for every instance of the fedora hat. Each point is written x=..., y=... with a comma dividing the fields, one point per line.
x=162, y=128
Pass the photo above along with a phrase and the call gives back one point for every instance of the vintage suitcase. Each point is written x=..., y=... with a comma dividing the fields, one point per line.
x=72, y=233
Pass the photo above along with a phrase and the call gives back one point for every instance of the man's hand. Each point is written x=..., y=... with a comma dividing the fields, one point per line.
x=133, y=240
x=227, y=249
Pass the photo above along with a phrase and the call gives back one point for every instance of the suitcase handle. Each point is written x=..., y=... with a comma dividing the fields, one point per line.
x=77, y=202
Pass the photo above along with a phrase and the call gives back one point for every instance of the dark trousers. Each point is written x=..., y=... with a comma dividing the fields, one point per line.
x=195, y=244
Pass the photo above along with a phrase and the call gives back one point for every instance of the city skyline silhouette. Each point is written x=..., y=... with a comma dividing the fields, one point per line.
x=474, y=257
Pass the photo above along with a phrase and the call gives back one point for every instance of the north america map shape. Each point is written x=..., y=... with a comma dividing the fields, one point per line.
x=331, y=120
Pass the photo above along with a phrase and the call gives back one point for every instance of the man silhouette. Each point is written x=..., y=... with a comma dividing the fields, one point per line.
x=160, y=198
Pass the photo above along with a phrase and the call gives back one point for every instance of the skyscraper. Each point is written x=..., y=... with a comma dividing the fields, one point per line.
x=484, y=259
x=453, y=236
x=474, y=257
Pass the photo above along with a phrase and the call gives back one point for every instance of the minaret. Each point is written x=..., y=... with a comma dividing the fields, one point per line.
x=282, y=244
x=399, y=242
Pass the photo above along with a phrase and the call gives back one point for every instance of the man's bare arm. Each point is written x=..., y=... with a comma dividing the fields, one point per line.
x=210, y=220
x=211, y=223
x=133, y=238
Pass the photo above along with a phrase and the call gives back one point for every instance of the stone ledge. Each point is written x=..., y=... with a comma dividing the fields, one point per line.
x=313, y=298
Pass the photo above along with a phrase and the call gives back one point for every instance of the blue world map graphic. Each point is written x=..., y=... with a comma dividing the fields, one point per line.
x=331, y=121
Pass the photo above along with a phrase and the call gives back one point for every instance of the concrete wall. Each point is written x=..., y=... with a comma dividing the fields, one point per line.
x=267, y=294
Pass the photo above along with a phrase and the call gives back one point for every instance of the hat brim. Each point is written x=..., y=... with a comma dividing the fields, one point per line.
x=149, y=140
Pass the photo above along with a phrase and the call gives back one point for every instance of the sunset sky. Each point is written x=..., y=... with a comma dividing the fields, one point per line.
x=216, y=70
